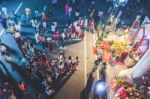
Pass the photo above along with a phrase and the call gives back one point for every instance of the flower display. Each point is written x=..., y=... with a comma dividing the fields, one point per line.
x=130, y=90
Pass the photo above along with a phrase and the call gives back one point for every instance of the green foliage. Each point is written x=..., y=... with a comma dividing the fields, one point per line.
x=108, y=22
x=117, y=57
x=111, y=42
x=105, y=35
x=99, y=26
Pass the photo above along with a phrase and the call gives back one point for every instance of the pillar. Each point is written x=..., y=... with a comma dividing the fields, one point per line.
x=142, y=66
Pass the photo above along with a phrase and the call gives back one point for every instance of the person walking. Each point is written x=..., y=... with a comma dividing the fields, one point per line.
x=67, y=8
x=70, y=11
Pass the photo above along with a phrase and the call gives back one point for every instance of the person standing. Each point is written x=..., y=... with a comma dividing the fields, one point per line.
x=70, y=12
x=41, y=95
x=44, y=16
x=21, y=86
x=85, y=23
x=77, y=31
x=66, y=8
x=37, y=37
x=63, y=36
x=28, y=12
x=18, y=26
x=44, y=25
x=73, y=2
x=10, y=21
x=12, y=96
x=62, y=50
x=18, y=38
x=53, y=26
x=4, y=10
x=56, y=35
x=77, y=12
x=33, y=23
x=92, y=26
x=22, y=18
x=4, y=24
x=54, y=3
x=37, y=14
x=0, y=13
x=51, y=46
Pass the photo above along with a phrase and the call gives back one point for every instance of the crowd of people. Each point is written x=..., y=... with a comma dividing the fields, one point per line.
x=6, y=89
x=38, y=65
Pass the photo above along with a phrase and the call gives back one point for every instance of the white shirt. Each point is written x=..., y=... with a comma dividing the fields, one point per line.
x=62, y=49
x=70, y=9
x=48, y=91
x=44, y=24
x=17, y=35
x=78, y=29
x=18, y=27
x=100, y=13
x=61, y=66
x=37, y=37
x=53, y=27
x=75, y=23
x=138, y=17
x=77, y=14
x=63, y=35
x=85, y=23
x=11, y=22
x=33, y=23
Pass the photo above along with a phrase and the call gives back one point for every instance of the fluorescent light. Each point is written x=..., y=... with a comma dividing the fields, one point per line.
x=2, y=32
x=18, y=7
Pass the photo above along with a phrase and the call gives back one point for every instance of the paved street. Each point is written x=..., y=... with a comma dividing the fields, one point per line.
x=73, y=88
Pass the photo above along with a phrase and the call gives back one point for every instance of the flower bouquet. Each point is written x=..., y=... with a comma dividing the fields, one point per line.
x=117, y=83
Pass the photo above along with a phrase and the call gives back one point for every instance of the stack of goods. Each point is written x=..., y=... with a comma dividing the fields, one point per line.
x=119, y=45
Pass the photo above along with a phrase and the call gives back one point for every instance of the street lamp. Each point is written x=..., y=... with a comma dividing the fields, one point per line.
x=100, y=89
x=120, y=2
